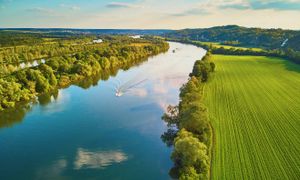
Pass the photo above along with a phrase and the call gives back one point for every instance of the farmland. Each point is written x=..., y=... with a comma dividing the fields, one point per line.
x=219, y=45
x=254, y=107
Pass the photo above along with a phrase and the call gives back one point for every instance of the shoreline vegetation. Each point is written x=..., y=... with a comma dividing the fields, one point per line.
x=62, y=70
x=189, y=129
x=216, y=48
x=238, y=40
x=192, y=130
x=194, y=144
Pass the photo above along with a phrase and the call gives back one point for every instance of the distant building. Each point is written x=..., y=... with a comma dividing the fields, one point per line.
x=97, y=41
x=136, y=36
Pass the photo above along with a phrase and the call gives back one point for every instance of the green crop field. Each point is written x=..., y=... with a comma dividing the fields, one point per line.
x=254, y=106
x=219, y=45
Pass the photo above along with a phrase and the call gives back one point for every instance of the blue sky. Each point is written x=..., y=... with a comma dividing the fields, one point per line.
x=173, y=14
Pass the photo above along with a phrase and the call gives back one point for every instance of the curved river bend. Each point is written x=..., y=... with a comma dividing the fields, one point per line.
x=92, y=134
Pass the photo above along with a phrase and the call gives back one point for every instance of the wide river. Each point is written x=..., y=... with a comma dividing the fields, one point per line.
x=93, y=134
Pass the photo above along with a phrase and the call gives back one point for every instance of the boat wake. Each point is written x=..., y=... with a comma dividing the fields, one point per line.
x=122, y=89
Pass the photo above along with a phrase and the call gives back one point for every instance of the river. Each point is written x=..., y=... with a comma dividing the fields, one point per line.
x=93, y=134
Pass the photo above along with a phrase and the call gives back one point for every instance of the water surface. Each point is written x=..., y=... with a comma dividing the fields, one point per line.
x=91, y=133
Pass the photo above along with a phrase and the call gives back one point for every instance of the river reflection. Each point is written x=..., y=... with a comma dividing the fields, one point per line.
x=86, y=159
x=86, y=132
x=53, y=103
x=53, y=171
x=13, y=116
x=50, y=103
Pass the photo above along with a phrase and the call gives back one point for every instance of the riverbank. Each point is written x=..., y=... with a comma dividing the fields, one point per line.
x=233, y=114
x=216, y=48
x=58, y=72
x=68, y=131
x=192, y=132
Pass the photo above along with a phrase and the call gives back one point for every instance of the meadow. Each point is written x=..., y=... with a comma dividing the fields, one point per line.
x=219, y=45
x=254, y=106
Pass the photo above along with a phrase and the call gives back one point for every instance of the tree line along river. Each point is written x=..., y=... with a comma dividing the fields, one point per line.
x=90, y=133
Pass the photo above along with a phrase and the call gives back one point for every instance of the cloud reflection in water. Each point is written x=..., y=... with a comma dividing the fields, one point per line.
x=53, y=171
x=140, y=92
x=57, y=104
x=98, y=160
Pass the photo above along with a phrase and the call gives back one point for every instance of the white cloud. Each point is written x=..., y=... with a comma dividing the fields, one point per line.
x=192, y=12
x=210, y=7
x=123, y=5
x=40, y=10
x=234, y=4
x=175, y=14
x=75, y=8
x=72, y=7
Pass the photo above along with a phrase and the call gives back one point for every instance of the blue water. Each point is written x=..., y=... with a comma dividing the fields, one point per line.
x=92, y=134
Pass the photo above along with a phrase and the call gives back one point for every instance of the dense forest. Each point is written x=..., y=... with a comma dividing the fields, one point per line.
x=242, y=36
x=189, y=129
x=30, y=36
x=289, y=54
x=67, y=61
x=273, y=42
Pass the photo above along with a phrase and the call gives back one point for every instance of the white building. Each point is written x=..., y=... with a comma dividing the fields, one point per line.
x=136, y=36
x=97, y=41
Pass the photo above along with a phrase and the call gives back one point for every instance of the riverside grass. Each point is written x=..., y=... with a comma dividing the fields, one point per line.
x=254, y=106
x=219, y=45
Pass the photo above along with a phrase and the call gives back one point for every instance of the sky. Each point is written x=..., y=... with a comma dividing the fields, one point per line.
x=149, y=14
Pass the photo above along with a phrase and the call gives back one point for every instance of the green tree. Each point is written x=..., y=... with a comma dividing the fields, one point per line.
x=48, y=74
x=190, y=152
x=212, y=66
x=105, y=64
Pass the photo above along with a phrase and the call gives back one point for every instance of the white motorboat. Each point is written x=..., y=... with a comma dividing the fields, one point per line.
x=119, y=93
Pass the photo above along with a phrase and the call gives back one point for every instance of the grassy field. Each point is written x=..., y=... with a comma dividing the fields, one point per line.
x=218, y=45
x=254, y=106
